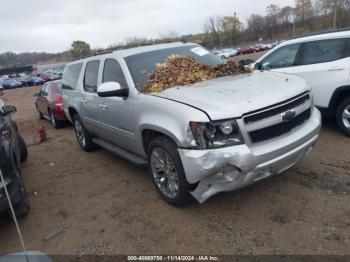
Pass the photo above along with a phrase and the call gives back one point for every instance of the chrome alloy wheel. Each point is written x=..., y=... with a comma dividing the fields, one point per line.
x=346, y=116
x=164, y=173
x=79, y=132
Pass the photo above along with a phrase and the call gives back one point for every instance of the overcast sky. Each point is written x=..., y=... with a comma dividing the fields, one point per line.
x=43, y=25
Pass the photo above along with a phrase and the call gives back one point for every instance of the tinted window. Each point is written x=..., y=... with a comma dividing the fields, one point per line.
x=324, y=51
x=71, y=76
x=91, y=76
x=112, y=72
x=282, y=57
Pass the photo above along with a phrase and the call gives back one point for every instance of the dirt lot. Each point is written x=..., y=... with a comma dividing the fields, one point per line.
x=111, y=207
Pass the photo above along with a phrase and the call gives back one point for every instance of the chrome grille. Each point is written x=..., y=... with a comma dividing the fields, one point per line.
x=274, y=121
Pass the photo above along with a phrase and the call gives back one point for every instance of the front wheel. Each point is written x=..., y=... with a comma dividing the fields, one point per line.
x=83, y=136
x=343, y=116
x=167, y=172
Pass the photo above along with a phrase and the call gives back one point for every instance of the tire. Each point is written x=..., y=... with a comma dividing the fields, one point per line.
x=82, y=135
x=343, y=116
x=182, y=196
x=57, y=124
x=21, y=208
x=23, y=148
x=41, y=117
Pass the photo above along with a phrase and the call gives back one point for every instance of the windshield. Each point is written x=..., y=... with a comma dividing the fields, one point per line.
x=143, y=64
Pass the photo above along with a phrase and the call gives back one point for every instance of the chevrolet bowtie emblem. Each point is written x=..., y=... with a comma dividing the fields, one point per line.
x=288, y=116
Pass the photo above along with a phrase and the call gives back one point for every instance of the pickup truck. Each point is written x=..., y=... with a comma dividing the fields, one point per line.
x=198, y=140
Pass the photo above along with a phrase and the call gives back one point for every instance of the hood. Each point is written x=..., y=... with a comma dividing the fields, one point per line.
x=233, y=96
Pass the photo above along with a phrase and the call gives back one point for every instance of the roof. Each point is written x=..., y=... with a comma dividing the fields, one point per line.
x=320, y=36
x=149, y=48
x=136, y=50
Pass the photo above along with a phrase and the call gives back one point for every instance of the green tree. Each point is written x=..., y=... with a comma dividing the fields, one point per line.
x=79, y=49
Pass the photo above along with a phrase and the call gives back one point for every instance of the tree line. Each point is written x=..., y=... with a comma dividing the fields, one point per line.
x=278, y=22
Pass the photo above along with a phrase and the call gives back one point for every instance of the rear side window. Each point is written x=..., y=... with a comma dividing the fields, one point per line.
x=71, y=76
x=282, y=57
x=112, y=72
x=91, y=76
x=324, y=51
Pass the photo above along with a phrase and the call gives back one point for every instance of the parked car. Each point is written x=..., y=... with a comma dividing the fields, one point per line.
x=13, y=151
x=24, y=80
x=261, y=47
x=35, y=81
x=226, y=53
x=324, y=60
x=245, y=50
x=11, y=83
x=219, y=135
x=49, y=103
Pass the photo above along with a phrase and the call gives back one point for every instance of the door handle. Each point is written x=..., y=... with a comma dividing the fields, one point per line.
x=336, y=69
x=103, y=107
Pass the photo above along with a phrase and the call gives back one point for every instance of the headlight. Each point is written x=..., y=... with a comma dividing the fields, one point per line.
x=216, y=134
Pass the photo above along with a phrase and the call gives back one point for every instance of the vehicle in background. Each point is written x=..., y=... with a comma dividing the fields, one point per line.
x=226, y=53
x=216, y=136
x=35, y=81
x=324, y=61
x=1, y=87
x=24, y=80
x=261, y=47
x=49, y=103
x=47, y=77
x=245, y=50
x=13, y=151
x=11, y=83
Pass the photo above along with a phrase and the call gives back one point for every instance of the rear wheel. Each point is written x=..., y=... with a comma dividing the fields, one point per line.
x=55, y=123
x=167, y=172
x=83, y=136
x=23, y=206
x=343, y=116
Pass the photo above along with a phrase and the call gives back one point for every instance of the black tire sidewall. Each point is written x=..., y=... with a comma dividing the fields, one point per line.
x=89, y=144
x=339, y=116
x=183, y=197
x=23, y=148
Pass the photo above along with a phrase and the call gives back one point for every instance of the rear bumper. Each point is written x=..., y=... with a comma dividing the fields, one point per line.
x=231, y=168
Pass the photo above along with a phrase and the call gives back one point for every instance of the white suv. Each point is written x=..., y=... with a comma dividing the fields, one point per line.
x=324, y=60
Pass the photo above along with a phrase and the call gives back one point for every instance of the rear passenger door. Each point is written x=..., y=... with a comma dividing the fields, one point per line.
x=90, y=101
x=118, y=113
x=326, y=65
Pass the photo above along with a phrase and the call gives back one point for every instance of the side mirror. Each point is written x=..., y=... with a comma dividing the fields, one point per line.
x=9, y=110
x=112, y=89
x=257, y=66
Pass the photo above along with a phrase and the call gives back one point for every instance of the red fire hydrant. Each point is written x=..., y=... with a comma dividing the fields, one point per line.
x=42, y=134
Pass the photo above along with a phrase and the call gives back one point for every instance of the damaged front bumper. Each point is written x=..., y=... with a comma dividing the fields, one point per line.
x=231, y=168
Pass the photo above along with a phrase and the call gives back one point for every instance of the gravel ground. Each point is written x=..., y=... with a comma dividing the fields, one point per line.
x=109, y=206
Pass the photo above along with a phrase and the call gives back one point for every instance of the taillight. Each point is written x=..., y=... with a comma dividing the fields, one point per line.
x=59, y=103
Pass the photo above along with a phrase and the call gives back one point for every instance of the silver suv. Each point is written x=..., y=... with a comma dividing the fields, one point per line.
x=210, y=137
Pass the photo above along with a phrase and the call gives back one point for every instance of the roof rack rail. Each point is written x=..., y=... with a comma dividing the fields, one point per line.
x=116, y=48
x=327, y=31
